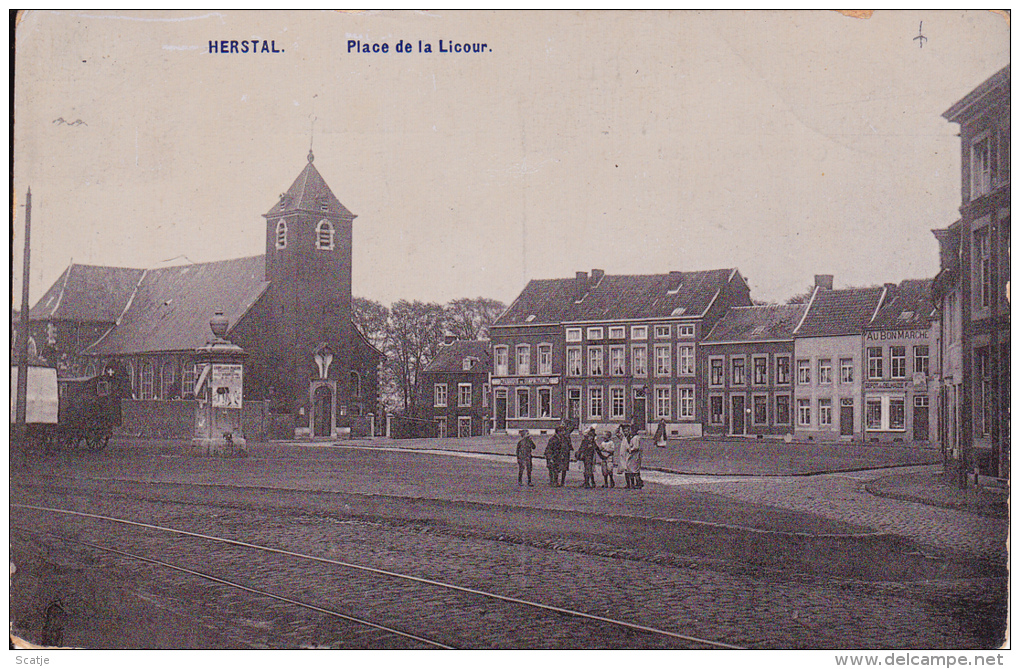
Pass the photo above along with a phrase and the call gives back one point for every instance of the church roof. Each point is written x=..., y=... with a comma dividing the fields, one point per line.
x=310, y=193
x=171, y=306
x=89, y=293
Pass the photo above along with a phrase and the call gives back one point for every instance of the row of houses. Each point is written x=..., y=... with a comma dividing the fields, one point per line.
x=690, y=350
x=924, y=360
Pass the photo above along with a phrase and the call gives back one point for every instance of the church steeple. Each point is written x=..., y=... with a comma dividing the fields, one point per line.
x=310, y=194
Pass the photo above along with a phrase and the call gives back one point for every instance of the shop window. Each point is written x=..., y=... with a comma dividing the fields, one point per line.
x=897, y=414
x=523, y=403
x=873, y=413
x=544, y=402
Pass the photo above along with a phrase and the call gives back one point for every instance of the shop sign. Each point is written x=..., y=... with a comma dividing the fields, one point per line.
x=885, y=385
x=527, y=381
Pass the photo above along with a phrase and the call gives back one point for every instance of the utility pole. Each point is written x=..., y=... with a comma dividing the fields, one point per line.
x=22, y=391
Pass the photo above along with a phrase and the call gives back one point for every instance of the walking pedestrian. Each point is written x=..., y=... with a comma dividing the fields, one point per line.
x=552, y=457
x=524, y=449
x=607, y=456
x=565, y=450
x=586, y=454
x=660, y=434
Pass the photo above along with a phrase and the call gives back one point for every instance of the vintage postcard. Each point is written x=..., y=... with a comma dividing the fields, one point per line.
x=573, y=330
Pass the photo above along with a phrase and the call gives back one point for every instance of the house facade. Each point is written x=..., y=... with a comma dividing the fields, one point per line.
x=900, y=356
x=602, y=350
x=748, y=371
x=828, y=399
x=970, y=290
x=289, y=309
x=456, y=394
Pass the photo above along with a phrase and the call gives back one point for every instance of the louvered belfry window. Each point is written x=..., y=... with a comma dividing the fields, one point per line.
x=324, y=236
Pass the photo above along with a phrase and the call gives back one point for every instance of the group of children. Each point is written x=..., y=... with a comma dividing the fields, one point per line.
x=622, y=457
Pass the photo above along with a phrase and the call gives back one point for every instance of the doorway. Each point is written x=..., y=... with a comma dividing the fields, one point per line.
x=737, y=415
x=322, y=410
x=921, y=418
x=500, y=410
x=846, y=418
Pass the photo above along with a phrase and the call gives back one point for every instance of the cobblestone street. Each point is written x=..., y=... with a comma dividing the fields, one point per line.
x=678, y=555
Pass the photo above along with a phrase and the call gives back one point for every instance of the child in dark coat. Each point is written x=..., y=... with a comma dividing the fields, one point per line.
x=586, y=454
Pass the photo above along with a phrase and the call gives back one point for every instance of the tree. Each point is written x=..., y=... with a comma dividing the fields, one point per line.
x=371, y=318
x=469, y=318
x=802, y=298
x=415, y=331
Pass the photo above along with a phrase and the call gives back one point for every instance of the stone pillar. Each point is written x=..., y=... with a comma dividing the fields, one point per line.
x=219, y=392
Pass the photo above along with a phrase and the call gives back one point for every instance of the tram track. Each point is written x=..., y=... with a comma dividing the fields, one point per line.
x=450, y=598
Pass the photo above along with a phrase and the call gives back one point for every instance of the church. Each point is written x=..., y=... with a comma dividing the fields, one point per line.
x=289, y=309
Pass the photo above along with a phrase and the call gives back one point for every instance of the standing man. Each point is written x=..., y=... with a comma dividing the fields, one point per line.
x=552, y=457
x=524, y=449
x=566, y=448
x=586, y=453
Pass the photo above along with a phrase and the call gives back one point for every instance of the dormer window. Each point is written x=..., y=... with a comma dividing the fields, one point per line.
x=323, y=204
x=281, y=234
x=324, y=236
x=283, y=201
x=469, y=364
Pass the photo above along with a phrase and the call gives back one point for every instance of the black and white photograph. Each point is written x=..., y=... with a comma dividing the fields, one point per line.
x=579, y=330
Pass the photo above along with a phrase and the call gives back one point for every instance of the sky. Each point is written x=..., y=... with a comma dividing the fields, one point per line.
x=785, y=144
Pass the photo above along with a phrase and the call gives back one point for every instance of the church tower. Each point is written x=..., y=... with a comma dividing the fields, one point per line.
x=308, y=265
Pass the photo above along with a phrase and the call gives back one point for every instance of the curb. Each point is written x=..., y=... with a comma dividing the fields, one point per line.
x=871, y=488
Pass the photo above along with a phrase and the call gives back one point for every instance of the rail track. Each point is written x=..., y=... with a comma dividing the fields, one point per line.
x=423, y=611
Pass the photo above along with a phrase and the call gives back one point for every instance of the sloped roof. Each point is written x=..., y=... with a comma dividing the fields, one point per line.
x=450, y=357
x=88, y=293
x=909, y=305
x=171, y=308
x=999, y=80
x=834, y=313
x=769, y=322
x=308, y=193
x=617, y=297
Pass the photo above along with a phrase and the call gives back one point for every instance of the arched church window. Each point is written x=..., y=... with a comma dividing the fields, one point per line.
x=90, y=370
x=281, y=234
x=168, y=381
x=33, y=350
x=324, y=236
x=147, y=380
x=132, y=381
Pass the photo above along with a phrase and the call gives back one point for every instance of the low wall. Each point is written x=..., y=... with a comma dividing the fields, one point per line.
x=175, y=419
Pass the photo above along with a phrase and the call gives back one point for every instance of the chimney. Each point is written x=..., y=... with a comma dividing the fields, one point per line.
x=580, y=286
x=823, y=281
x=596, y=276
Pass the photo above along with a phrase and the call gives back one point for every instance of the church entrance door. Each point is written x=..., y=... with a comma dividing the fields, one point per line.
x=323, y=411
